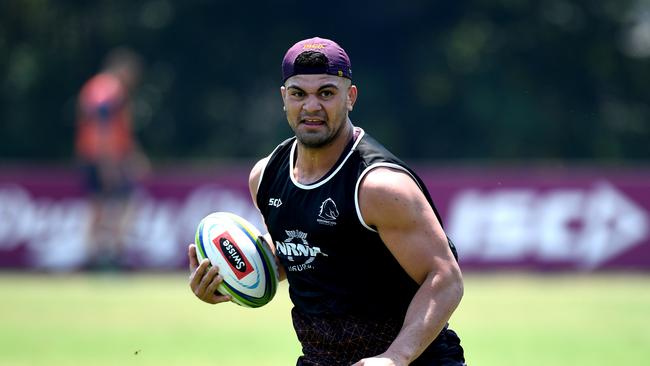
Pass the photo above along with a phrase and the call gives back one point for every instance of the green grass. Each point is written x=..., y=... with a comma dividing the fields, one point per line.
x=516, y=319
x=505, y=319
x=135, y=320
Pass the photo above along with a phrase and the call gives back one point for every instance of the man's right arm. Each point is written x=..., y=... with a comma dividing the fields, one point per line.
x=204, y=279
x=253, y=185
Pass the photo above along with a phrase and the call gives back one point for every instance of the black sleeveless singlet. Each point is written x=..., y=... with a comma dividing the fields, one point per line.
x=336, y=265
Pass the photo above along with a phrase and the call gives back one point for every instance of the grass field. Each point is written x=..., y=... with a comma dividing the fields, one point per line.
x=505, y=319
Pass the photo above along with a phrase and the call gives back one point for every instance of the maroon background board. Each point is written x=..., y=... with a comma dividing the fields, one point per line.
x=528, y=218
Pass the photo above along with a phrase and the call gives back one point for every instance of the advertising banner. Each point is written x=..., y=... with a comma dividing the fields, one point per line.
x=539, y=219
x=547, y=219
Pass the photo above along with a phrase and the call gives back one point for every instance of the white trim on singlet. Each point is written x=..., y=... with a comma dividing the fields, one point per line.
x=327, y=179
x=363, y=174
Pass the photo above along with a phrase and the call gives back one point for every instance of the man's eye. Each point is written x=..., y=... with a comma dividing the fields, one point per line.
x=326, y=93
x=297, y=94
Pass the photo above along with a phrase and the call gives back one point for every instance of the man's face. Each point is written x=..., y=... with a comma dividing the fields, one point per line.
x=317, y=106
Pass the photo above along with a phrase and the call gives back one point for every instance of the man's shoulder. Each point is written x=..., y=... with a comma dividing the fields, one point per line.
x=386, y=180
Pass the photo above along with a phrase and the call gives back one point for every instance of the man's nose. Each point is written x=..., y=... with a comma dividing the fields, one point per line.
x=312, y=104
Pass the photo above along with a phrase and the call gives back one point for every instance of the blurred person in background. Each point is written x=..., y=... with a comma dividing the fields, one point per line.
x=380, y=279
x=110, y=157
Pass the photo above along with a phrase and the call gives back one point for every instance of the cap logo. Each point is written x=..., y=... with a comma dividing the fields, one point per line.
x=340, y=73
x=313, y=46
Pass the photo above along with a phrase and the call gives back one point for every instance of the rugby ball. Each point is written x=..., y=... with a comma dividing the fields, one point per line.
x=250, y=275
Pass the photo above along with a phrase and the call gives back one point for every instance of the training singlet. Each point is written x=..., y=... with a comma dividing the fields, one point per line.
x=335, y=263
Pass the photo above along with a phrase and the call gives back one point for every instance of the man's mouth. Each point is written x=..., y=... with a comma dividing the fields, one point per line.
x=312, y=121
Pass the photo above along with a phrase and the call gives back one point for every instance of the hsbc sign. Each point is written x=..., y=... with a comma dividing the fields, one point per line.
x=578, y=227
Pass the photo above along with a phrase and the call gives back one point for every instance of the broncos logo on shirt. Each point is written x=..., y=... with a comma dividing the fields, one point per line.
x=328, y=210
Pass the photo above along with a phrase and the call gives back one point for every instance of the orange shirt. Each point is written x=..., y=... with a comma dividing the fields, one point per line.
x=104, y=120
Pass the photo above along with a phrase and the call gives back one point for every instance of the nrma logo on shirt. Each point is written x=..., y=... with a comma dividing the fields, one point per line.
x=296, y=250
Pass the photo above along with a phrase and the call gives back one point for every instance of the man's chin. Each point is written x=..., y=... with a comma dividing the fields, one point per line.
x=313, y=140
x=313, y=143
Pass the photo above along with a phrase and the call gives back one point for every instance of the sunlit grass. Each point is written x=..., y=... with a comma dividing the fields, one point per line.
x=153, y=319
x=515, y=319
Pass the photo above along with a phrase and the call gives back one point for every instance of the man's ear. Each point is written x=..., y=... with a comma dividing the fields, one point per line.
x=283, y=94
x=352, y=97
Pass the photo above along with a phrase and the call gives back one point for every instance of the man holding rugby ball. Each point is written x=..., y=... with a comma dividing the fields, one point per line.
x=372, y=275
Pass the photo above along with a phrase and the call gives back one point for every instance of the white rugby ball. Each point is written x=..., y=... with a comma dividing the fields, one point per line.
x=246, y=263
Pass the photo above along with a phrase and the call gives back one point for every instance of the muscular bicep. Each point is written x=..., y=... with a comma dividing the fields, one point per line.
x=392, y=202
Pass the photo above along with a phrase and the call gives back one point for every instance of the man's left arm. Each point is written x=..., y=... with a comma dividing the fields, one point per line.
x=392, y=202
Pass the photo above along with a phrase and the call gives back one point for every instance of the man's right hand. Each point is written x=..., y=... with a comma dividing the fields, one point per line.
x=205, y=279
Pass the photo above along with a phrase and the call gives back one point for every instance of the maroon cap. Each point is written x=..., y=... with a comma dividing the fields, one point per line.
x=338, y=62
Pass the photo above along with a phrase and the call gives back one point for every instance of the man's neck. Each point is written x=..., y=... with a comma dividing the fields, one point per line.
x=313, y=163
